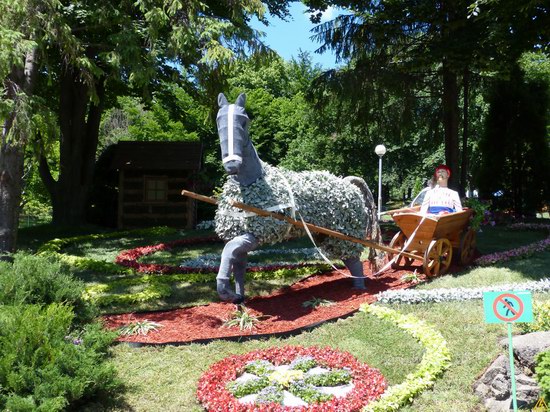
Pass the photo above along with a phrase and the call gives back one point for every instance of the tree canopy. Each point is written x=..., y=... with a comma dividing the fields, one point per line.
x=70, y=59
x=429, y=79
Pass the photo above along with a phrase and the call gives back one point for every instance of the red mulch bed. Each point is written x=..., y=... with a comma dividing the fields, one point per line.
x=282, y=312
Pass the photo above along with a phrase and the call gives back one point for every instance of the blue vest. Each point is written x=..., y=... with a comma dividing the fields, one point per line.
x=438, y=209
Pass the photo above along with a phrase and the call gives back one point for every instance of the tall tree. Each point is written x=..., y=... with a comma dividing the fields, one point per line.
x=405, y=49
x=515, y=167
x=21, y=25
x=86, y=51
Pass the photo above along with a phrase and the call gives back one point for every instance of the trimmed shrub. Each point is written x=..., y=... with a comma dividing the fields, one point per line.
x=32, y=279
x=543, y=373
x=541, y=321
x=45, y=366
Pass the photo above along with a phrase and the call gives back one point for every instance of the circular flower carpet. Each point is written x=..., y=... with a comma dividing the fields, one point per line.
x=290, y=378
x=282, y=313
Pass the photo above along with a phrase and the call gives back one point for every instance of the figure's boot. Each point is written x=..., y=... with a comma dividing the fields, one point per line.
x=355, y=267
x=223, y=284
x=225, y=293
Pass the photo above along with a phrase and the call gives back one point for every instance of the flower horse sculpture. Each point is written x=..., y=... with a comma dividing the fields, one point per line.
x=320, y=198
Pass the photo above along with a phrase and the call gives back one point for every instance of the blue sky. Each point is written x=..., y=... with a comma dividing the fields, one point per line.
x=287, y=38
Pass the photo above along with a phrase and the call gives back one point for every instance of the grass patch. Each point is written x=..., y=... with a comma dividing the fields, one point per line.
x=473, y=344
x=156, y=385
x=534, y=268
x=108, y=249
x=510, y=272
x=493, y=239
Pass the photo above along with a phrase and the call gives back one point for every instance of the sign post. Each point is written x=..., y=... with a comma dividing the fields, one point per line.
x=509, y=307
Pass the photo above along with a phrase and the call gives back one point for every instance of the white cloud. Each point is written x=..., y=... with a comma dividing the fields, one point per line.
x=328, y=14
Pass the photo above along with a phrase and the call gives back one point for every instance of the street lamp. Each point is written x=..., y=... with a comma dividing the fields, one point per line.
x=380, y=150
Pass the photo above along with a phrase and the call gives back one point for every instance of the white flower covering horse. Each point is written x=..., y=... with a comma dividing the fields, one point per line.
x=345, y=205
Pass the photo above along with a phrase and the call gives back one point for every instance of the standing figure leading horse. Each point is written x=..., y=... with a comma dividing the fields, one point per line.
x=345, y=205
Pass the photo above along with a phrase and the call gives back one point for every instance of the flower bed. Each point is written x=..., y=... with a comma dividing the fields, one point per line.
x=283, y=312
x=526, y=250
x=129, y=258
x=157, y=286
x=154, y=286
x=457, y=294
x=55, y=248
x=215, y=384
x=435, y=361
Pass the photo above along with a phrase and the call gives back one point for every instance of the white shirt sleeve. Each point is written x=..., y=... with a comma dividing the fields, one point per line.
x=457, y=205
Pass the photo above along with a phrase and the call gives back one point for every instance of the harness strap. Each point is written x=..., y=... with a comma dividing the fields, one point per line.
x=292, y=200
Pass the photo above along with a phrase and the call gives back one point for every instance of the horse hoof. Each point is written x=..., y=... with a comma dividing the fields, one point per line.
x=228, y=296
x=238, y=300
x=359, y=284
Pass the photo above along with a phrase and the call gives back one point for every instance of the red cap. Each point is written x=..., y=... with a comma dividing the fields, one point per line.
x=444, y=167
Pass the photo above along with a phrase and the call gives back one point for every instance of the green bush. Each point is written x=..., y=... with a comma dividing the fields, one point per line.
x=543, y=373
x=480, y=208
x=541, y=321
x=47, y=367
x=32, y=279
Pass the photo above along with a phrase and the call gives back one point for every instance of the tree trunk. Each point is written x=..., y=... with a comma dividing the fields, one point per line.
x=15, y=134
x=79, y=119
x=11, y=174
x=450, y=122
x=465, y=130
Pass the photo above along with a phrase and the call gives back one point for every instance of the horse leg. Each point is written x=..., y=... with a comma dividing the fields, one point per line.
x=355, y=267
x=233, y=259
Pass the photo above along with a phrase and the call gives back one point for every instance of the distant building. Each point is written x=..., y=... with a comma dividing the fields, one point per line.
x=151, y=176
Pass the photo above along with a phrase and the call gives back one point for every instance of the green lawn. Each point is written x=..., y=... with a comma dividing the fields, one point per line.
x=164, y=378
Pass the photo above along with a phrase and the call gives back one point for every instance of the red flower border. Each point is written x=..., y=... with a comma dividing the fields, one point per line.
x=129, y=258
x=368, y=382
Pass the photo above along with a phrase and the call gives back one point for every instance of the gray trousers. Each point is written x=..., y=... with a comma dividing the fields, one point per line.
x=355, y=267
x=233, y=260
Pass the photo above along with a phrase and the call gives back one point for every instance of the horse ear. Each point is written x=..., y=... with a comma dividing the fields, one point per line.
x=222, y=100
x=241, y=100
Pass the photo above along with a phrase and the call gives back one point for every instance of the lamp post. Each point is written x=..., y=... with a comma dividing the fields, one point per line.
x=380, y=150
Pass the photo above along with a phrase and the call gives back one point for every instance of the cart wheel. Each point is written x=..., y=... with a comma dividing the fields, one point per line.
x=398, y=242
x=437, y=257
x=467, y=247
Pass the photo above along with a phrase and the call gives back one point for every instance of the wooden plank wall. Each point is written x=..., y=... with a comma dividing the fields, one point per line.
x=134, y=212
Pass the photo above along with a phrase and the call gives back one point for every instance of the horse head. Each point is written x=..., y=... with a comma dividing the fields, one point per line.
x=239, y=156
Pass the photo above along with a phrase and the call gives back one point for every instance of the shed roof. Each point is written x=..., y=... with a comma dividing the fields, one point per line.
x=157, y=155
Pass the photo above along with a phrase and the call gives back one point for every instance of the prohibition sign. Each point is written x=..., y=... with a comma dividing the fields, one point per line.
x=502, y=299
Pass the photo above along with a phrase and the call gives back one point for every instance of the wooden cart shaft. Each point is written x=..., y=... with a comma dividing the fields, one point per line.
x=300, y=224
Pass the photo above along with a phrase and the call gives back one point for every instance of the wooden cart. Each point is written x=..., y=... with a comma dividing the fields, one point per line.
x=434, y=237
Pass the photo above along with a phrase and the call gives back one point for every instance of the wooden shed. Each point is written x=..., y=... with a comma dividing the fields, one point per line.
x=151, y=176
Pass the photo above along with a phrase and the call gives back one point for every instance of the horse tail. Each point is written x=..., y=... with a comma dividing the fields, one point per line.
x=372, y=231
